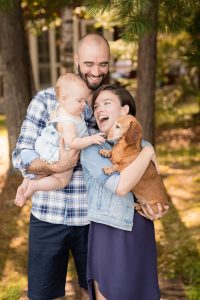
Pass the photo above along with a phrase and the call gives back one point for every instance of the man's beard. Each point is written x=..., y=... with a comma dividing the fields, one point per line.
x=93, y=86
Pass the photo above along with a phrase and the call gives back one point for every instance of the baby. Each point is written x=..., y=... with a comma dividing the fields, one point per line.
x=66, y=122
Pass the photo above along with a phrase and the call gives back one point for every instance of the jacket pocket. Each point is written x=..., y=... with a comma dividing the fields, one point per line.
x=122, y=208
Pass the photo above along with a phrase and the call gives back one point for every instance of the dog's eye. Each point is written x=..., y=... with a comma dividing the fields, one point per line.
x=117, y=126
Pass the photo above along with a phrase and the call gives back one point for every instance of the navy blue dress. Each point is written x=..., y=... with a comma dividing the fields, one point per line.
x=123, y=263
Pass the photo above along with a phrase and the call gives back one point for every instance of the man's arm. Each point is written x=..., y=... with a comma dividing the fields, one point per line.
x=24, y=156
x=36, y=118
x=67, y=161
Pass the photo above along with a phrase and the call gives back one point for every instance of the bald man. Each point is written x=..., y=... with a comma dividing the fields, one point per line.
x=92, y=60
x=58, y=220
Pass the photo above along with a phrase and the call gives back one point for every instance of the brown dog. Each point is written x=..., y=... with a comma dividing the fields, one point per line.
x=128, y=133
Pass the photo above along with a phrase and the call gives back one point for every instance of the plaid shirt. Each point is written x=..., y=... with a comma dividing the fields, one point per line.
x=68, y=206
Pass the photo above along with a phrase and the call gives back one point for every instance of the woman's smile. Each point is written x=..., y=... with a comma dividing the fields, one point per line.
x=107, y=109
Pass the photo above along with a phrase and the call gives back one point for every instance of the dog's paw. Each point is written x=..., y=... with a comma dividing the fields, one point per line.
x=105, y=153
x=108, y=170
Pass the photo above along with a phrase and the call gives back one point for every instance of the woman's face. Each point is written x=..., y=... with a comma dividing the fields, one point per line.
x=107, y=109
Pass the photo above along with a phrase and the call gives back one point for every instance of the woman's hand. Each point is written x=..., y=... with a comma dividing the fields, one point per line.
x=148, y=212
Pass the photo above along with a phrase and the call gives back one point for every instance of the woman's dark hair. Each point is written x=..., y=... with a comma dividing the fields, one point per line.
x=125, y=97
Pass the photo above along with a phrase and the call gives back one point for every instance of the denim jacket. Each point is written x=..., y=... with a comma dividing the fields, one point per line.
x=104, y=206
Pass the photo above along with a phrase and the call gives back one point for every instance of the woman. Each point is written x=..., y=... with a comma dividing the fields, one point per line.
x=122, y=263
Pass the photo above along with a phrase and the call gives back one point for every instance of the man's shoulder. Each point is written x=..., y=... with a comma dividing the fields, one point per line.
x=46, y=98
x=47, y=93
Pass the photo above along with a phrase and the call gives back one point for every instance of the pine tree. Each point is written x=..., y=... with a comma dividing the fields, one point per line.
x=15, y=67
x=141, y=19
x=18, y=86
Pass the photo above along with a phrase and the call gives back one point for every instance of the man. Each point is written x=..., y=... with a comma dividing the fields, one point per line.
x=58, y=221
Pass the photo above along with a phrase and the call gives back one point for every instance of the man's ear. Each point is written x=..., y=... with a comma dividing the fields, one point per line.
x=133, y=134
x=125, y=110
x=76, y=59
x=58, y=92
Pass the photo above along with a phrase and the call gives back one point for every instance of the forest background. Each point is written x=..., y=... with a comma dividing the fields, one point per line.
x=161, y=40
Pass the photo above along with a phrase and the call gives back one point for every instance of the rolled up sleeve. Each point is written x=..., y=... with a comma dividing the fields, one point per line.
x=36, y=118
x=94, y=163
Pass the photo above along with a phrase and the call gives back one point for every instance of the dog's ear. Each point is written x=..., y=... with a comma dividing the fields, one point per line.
x=133, y=134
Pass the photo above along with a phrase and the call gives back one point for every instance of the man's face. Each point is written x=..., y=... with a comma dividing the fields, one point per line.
x=93, y=64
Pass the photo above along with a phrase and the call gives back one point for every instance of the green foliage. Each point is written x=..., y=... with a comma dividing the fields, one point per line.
x=174, y=15
x=47, y=11
x=6, y=5
x=130, y=15
x=98, y=7
x=136, y=17
x=193, y=292
x=2, y=120
x=193, y=29
x=11, y=292
x=178, y=246
x=177, y=79
x=170, y=113
x=179, y=257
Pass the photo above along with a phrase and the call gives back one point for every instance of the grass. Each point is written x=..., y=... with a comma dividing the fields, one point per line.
x=13, y=231
x=11, y=292
x=183, y=157
x=178, y=232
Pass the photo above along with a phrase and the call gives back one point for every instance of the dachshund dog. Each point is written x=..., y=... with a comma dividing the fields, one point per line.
x=128, y=133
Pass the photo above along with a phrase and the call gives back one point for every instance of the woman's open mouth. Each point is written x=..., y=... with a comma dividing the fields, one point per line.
x=103, y=119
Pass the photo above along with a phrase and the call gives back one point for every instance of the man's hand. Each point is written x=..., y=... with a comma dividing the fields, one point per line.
x=148, y=212
x=67, y=159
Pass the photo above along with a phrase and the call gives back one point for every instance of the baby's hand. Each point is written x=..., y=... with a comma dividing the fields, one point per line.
x=97, y=138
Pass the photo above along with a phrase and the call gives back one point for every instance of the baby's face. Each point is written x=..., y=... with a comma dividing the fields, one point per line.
x=74, y=96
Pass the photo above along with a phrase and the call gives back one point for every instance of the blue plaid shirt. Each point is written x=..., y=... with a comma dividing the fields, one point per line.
x=68, y=206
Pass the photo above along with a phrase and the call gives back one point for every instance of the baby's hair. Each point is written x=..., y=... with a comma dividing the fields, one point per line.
x=66, y=79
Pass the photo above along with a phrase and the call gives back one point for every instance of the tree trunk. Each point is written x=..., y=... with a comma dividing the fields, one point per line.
x=16, y=70
x=66, y=34
x=146, y=82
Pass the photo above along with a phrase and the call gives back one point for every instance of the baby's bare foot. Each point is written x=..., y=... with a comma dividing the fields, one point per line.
x=20, y=198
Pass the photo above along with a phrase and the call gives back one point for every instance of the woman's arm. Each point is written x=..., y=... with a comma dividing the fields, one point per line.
x=120, y=183
x=132, y=174
x=94, y=163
